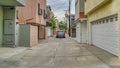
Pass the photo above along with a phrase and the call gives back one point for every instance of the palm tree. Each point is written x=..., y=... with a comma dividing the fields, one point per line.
x=53, y=23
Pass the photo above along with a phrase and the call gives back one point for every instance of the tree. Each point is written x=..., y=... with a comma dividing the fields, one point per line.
x=53, y=22
x=62, y=26
x=72, y=27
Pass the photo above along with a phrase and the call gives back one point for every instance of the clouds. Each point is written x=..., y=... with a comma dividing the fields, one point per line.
x=58, y=7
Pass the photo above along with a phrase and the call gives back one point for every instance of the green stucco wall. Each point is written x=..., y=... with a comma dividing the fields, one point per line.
x=1, y=24
x=12, y=2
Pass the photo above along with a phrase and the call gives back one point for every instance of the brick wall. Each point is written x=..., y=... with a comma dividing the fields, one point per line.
x=33, y=35
x=46, y=35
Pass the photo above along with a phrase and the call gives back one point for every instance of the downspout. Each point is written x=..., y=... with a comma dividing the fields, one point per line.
x=44, y=33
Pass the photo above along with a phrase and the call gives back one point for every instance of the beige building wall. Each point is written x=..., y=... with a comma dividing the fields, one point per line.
x=77, y=9
x=51, y=14
x=57, y=24
x=103, y=11
x=29, y=14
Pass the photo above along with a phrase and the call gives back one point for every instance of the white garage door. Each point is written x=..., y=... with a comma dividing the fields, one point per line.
x=78, y=32
x=83, y=32
x=105, y=34
x=49, y=31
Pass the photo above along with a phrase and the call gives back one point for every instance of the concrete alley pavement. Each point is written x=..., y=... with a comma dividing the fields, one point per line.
x=61, y=53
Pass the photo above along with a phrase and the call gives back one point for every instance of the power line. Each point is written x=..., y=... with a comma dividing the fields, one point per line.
x=62, y=6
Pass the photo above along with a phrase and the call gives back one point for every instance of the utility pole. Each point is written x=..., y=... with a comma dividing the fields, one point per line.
x=69, y=17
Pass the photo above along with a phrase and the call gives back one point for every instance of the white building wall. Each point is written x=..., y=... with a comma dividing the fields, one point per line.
x=78, y=32
x=83, y=33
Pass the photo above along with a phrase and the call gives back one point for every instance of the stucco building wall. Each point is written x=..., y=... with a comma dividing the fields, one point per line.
x=29, y=14
x=101, y=9
x=1, y=24
x=28, y=35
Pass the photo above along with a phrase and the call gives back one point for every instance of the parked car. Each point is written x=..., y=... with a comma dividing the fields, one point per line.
x=60, y=34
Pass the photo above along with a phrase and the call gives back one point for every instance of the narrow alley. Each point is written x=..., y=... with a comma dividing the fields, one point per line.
x=61, y=53
x=59, y=34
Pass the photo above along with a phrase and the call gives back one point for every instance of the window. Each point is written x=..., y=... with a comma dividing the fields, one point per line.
x=17, y=14
x=99, y=22
x=45, y=14
x=96, y=22
x=107, y=20
x=76, y=2
x=39, y=9
x=111, y=19
x=92, y=23
x=116, y=18
x=103, y=21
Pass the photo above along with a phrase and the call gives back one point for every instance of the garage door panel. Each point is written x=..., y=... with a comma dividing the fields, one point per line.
x=105, y=44
x=78, y=32
x=113, y=50
x=106, y=40
x=105, y=36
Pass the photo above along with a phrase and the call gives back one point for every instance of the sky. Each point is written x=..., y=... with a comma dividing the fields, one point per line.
x=59, y=7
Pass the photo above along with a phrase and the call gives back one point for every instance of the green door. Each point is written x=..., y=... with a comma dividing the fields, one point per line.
x=9, y=26
x=8, y=32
